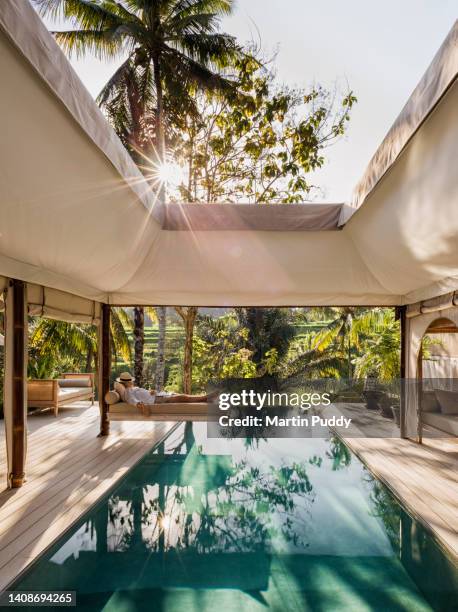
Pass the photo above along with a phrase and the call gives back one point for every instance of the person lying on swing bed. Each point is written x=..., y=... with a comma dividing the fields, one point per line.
x=144, y=399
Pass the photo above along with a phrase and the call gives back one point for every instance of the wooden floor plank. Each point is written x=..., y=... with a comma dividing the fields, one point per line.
x=68, y=470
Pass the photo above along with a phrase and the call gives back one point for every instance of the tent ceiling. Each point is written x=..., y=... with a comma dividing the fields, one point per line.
x=76, y=216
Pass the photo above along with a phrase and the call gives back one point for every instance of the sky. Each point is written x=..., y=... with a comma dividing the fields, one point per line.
x=379, y=49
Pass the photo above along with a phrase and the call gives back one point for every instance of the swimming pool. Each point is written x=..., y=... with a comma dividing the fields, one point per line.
x=283, y=524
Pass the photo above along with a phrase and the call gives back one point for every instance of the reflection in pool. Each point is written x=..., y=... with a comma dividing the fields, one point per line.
x=283, y=524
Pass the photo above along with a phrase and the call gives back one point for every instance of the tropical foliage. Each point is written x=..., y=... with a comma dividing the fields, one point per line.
x=260, y=142
x=170, y=49
x=58, y=346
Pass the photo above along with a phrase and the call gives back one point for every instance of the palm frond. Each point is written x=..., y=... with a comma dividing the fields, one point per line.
x=202, y=22
x=191, y=71
x=67, y=339
x=214, y=51
x=193, y=7
x=88, y=14
x=328, y=335
x=313, y=364
x=119, y=336
x=116, y=83
x=103, y=44
x=152, y=313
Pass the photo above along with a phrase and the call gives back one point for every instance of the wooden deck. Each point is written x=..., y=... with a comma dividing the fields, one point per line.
x=423, y=476
x=68, y=470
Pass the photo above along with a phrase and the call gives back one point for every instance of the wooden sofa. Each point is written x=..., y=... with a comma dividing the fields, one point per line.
x=72, y=387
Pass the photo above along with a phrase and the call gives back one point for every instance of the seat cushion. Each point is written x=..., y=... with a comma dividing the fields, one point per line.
x=72, y=393
x=124, y=408
x=173, y=411
x=448, y=401
x=446, y=423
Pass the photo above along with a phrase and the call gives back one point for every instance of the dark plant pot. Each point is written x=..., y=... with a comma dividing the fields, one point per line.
x=373, y=399
x=396, y=413
x=385, y=407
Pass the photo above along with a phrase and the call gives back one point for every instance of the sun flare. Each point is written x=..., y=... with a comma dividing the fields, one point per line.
x=171, y=174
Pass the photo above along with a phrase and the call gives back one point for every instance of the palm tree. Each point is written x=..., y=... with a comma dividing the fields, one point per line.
x=171, y=46
x=157, y=315
x=306, y=363
x=139, y=344
x=381, y=354
x=268, y=328
x=161, y=313
x=52, y=340
x=188, y=316
x=174, y=46
x=348, y=326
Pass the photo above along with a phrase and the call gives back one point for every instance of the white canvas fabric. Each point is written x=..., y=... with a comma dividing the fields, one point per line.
x=437, y=79
x=407, y=228
x=55, y=304
x=76, y=215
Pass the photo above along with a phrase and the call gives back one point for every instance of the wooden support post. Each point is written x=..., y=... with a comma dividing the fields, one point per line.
x=401, y=315
x=104, y=368
x=402, y=322
x=419, y=393
x=15, y=384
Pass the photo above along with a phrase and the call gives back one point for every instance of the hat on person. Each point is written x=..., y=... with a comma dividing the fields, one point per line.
x=125, y=377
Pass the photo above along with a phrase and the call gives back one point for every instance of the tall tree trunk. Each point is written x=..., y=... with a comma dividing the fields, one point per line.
x=160, y=151
x=160, y=139
x=188, y=316
x=139, y=344
x=160, y=352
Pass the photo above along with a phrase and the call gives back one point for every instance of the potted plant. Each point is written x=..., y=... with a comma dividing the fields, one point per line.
x=371, y=394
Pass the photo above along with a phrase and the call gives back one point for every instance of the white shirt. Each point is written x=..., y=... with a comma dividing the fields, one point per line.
x=136, y=395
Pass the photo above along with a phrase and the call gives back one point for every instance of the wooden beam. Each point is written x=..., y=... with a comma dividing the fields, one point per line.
x=442, y=330
x=104, y=368
x=15, y=385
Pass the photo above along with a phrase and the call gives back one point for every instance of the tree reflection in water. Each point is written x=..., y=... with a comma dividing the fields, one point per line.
x=387, y=509
x=339, y=453
x=208, y=503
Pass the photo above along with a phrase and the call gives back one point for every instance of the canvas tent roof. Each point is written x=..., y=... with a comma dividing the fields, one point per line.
x=75, y=214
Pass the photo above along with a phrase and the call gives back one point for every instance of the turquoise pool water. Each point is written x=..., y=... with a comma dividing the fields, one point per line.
x=214, y=525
